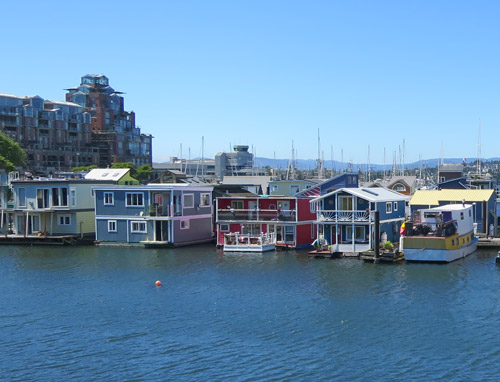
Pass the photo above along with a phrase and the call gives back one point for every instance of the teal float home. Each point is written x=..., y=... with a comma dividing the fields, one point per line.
x=345, y=217
x=45, y=208
x=153, y=215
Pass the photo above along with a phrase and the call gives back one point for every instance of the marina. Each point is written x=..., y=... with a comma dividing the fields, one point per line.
x=97, y=313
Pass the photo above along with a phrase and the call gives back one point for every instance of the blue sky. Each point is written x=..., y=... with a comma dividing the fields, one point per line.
x=266, y=73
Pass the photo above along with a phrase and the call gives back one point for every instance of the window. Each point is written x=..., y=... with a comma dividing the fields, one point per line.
x=224, y=227
x=289, y=233
x=22, y=197
x=395, y=208
x=188, y=200
x=184, y=224
x=345, y=203
x=137, y=227
x=274, y=188
x=72, y=197
x=461, y=216
x=237, y=204
x=42, y=198
x=205, y=200
x=134, y=199
x=111, y=225
x=108, y=199
x=359, y=233
x=399, y=187
x=64, y=220
x=294, y=188
x=59, y=196
x=388, y=207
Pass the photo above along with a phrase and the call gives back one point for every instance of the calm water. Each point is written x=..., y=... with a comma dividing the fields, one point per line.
x=86, y=313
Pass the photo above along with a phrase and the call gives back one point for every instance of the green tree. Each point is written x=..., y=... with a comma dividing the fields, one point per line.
x=11, y=154
x=83, y=168
x=144, y=172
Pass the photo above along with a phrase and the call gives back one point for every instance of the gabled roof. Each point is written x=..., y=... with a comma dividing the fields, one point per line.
x=370, y=194
x=315, y=191
x=434, y=197
x=114, y=174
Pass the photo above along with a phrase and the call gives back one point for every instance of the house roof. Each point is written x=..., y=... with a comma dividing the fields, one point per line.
x=107, y=173
x=370, y=194
x=434, y=197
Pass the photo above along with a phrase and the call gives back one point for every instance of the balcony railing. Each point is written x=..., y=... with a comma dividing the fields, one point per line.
x=256, y=215
x=344, y=216
x=159, y=210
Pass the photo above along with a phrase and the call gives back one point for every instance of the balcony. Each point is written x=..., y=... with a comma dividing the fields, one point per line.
x=159, y=210
x=256, y=215
x=339, y=216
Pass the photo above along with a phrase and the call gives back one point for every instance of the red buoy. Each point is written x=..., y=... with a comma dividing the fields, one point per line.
x=158, y=283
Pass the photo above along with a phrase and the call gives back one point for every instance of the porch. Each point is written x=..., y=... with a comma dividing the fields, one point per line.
x=255, y=215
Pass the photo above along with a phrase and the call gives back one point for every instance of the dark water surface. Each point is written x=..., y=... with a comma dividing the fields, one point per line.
x=87, y=313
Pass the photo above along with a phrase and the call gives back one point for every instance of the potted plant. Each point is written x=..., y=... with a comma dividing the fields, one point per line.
x=388, y=246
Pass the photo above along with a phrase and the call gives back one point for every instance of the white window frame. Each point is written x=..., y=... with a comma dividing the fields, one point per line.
x=184, y=224
x=274, y=188
x=388, y=208
x=105, y=197
x=134, y=203
x=114, y=224
x=205, y=196
x=138, y=229
x=349, y=202
x=395, y=207
x=294, y=185
x=223, y=229
x=22, y=200
x=72, y=196
x=184, y=205
x=64, y=220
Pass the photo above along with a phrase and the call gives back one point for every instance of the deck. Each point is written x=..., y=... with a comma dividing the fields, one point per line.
x=42, y=239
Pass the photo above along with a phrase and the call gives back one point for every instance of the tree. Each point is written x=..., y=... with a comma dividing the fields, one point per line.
x=83, y=168
x=144, y=172
x=11, y=154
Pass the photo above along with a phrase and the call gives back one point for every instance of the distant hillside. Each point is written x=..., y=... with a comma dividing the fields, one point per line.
x=310, y=164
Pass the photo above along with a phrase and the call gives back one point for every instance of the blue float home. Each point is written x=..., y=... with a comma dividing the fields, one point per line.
x=345, y=217
x=153, y=215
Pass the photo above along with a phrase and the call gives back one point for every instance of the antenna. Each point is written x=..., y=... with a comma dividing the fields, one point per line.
x=384, y=164
x=368, y=165
x=479, y=150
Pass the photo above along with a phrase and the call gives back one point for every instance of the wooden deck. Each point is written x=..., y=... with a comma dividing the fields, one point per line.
x=42, y=239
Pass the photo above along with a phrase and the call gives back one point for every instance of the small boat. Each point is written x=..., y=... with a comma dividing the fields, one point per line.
x=440, y=234
x=240, y=242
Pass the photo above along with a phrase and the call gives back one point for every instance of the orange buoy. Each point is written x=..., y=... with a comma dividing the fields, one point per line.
x=158, y=283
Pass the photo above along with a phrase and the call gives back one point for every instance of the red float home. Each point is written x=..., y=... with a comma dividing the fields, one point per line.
x=285, y=222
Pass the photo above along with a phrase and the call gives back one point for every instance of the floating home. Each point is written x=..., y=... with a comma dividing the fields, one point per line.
x=153, y=215
x=346, y=219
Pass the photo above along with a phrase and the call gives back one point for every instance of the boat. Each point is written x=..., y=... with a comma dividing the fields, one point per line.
x=440, y=234
x=241, y=242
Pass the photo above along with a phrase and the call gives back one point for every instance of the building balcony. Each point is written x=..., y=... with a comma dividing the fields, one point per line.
x=256, y=215
x=340, y=216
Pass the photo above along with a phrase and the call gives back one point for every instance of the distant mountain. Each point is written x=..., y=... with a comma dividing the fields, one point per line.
x=311, y=164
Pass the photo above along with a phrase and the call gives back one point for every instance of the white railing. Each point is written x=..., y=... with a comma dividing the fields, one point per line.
x=244, y=240
x=344, y=215
x=231, y=214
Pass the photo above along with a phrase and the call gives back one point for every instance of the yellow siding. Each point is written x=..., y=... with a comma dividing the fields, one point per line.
x=433, y=197
x=85, y=220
